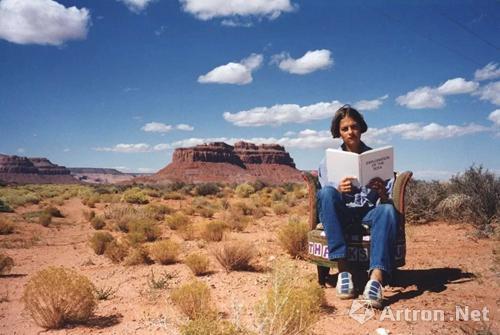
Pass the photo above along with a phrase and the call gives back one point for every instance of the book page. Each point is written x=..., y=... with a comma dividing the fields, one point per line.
x=341, y=164
x=377, y=163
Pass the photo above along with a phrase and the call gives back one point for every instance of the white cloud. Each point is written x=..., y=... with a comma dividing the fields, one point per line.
x=236, y=23
x=280, y=114
x=367, y=105
x=136, y=6
x=495, y=117
x=209, y=9
x=162, y=147
x=157, y=127
x=490, y=92
x=21, y=150
x=422, y=97
x=310, y=62
x=126, y=148
x=43, y=22
x=457, y=86
x=434, y=131
x=490, y=71
x=233, y=73
x=145, y=170
x=184, y=127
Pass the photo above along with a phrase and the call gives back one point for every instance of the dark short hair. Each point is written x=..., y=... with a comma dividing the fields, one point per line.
x=341, y=113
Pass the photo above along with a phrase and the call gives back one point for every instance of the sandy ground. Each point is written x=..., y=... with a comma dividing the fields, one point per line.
x=447, y=269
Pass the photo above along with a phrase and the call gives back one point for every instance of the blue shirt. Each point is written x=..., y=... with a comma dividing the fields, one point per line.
x=358, y=197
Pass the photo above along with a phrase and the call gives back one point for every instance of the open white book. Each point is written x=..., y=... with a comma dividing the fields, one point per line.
x=364, y=167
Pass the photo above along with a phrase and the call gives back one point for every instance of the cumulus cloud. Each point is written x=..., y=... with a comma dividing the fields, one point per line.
x=457, y=86
x=280, y=114
x=126, y=148
x=136, y=6
x=44, y=22
x=310, y=62
x=495, y=117
x=157, y=127
x=233, y=73
x=490, y=71
x=209, y=9
x=184, y=127
x=367, y=105
x=434, y=131
x=490, y=92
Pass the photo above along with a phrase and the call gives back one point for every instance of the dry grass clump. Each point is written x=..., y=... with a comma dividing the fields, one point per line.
x=137, y=256
x=54, y=212
x=209, y=325
x=280, y=208
x=116, y=251
x=206, y=212
x=422, y=198
x=6, y=264
x=187, y=232
x=45, y=219
x=99, y=241
x=205, y=189
x=173, y=196
x=142, y=230
x=6, y=226
x=244, y=190
x=156, y=211
x=4, y=207
x=164, y=252
x=177, y=220
x=242, y=208
x=98, y=222
x=455, y=207
x=293, y=237
x=89, y=215
x=193, y=299
x=292, y=303
x=198, y=263
x=235, y=221
x=235, y=255
x=213, y=231
x=135, y=195
x=56, y=296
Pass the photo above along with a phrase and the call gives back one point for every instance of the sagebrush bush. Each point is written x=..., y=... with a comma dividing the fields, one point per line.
x=206, y=189
x=280, y=208
x=165, y=251
x=6, y=226
x=116, y=251
x=235, y=221
x=206, y=212
x=54, y=212
x=173, y=196
x=293, y=237
x=199, y=264
x=135, y=195
x=422, y=199
x=455, y=207
x=6, y=264
x=177, y=220
x=137, y=256
x=210, y=325
x=213, y=231
x=97, y=222
x=56, y=296
x=193, y=299
x=45, y=219
x=99, y=241
x=235, y=255
x=187, y=232
x=156, y=211
x=89, y=215
x=292, y=303
x=242, y=208
x=244, y=190
x=4, y=207
x=142, y=230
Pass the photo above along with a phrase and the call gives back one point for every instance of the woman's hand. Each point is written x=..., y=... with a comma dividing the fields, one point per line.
x=345, y=185
x=378, y=185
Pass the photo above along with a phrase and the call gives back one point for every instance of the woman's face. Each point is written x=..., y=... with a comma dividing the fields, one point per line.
x=350, y=133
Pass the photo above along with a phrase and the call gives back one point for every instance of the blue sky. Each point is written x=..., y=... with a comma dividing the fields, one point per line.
x=107, y=83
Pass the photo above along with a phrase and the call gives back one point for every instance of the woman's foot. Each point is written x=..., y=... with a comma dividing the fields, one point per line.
x=345, y=287
x=374, y=293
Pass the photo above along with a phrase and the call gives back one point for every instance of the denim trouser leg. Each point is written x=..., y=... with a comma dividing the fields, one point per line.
x=383, y=221
x=330, y=204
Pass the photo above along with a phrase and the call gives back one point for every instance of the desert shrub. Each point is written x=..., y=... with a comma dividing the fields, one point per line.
x=54, y=212
x=135, y=195
x=156, y=211
x=119, y=211
x=455, y=207
x=292, y=304
x=164, y=252
x=293, y=237
x=4, y=207
x=177, y=220
x=206, y=212
x=160, y=282
x=422, y=199
x=116, y=251
x=152, y=192
x=18, y=196
x=45, y=219
x=137, y=256
x=483, y=189
x=142, y=230
x=277, y=194
x=206, y=189
x=57, y=295
x=242, y=208
x=187, y=232
x=210, y=325
x=6, y=264
x=98, y=222
x=259, y=212
x=258, y=185
x=89, y=215
x=235, y=255
x=104, y=292
x=91, y=199
x=188, y=210
x=99, y=241
x=6, y=226
x=173, y=196
x=213, y=231
x=280, y=208
x=244, y=190
x=198, y=263
x=235, y=221
x=193, y=299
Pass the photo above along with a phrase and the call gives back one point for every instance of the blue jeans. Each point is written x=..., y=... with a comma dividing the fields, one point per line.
x=382, y=220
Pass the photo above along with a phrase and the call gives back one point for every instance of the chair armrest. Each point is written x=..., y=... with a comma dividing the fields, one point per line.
x=313, y=186
x=398, y=193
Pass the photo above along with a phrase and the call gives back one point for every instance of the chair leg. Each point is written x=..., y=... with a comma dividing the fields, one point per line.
x=322, y=274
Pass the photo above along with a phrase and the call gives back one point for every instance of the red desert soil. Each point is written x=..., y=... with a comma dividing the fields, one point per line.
x=446, y=267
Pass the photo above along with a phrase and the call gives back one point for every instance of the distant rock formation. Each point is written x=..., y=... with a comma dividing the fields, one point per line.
x=103, y=175
x=221, y=162
x=24, y=170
